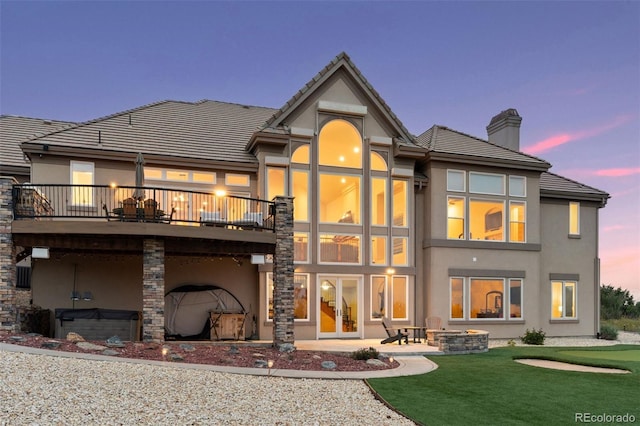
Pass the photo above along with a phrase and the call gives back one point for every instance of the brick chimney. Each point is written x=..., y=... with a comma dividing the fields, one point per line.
x=504, y=129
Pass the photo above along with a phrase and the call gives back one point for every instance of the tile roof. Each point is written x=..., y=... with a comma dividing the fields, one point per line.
x=209, y=130
x=333, y=66
x=555, y=185
x=15, y=130
x=443, y=140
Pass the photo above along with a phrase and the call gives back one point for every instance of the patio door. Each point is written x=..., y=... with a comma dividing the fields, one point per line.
x=339, y=306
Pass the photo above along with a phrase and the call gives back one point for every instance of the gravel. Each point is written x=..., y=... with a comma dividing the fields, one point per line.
x=624, y=337
x=45, y=390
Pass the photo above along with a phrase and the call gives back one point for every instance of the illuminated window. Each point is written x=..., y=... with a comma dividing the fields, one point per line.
x=300, y=192
x=236, y=179
x=574, y=218
x=82, y=173
x=400, y=203
x=378, y=296
x=457, y=298
x=486, y=220
x=340, y=198
x=455, y=180
x=275, y=182
x=377, y=162
x=515, y=298
x=399, y=297
x=340, y=145
x=301, y=247
x=378, y=201
x=152, y=174
x=300, y=297
x=301, y=155
x=200, y=177
x=517, y=186
x=400, y=256
x=485, y=183
x=455, y=218
x=517, y=229
x=563, y=299
x=486, y=297
x=379, y=250
x=177, y=175
x=339, y=248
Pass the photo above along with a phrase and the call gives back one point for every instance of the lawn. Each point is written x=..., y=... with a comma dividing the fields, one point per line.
x=491, y=388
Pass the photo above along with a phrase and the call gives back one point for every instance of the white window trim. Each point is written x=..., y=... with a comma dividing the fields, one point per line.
x=464, y=217
x=464, y=180
x=504, y=218
x=82, y=166
x=508, y=285
x=392, y=299
x=269, y=275
x=384, y=299
x=308, y=256
x=359, y=236
x=386, y=251
x=524, y=203
x=406, y=247
x=506, y=299
x=577, y=204
x=228, y=175
x=524, y=178
x=361, y=197
x=575, y=304
x=464, y=299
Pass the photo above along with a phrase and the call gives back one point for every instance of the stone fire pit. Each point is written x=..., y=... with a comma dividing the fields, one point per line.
x=459, y=341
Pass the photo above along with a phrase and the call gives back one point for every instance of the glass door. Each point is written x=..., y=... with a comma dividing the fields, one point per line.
x=339, y=306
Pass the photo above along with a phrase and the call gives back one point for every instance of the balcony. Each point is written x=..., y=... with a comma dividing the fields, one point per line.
x=105, y=217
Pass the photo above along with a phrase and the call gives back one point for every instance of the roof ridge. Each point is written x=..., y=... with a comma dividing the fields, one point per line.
x=576, y=182
x=202, y=101
x=36, y=118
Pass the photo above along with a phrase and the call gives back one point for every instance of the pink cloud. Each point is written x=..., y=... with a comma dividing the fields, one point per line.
x=618, y=172
x=613, y=228
x=563, y=138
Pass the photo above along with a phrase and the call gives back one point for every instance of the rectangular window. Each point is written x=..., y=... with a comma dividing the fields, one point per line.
x=574, y=218
x=486, y=297
x=378, y=296
x=455, y=180
x=339, y=248
x=517, y=222
x=178, y=175
x=82, y=173
x=515, y=298
x=457, y=298
x=200, y=177
x=300, y=296
x=152, y=174
x=275, y=182
x=378, y=201
x=301, y=247
x=400, y=203
x=300, y=192
x=517, y=186
x=455, y=219
x=400, y=256
x=399, y=297
x=340, y=198
x=485, y=183
x=379, y=251
x=236, y=179
x=486, y=220
x=563, y=299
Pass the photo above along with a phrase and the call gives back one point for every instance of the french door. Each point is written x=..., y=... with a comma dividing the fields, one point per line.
x=339, y=306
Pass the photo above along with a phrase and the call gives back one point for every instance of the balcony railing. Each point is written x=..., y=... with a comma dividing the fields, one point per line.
x=141, y=204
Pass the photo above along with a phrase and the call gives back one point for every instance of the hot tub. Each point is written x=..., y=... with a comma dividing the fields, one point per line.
x=98, y=324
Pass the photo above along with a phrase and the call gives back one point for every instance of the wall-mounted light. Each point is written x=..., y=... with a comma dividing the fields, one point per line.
x=40, y=252
x=391, y=271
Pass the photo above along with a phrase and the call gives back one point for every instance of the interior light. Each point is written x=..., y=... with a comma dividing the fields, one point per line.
x=356, y=149
x=391, y=271
x=114, y=185
x=341, y=158
x=343, y=180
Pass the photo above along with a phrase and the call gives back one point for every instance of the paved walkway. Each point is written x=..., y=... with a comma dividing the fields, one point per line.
x=411, y=362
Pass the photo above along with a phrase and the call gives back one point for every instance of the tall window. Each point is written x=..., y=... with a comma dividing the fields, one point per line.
x=399, y=297
x=457, y=298
x=378, y=163
x=515, y=298
x=486, y=220
x=340, y=197
x=400, y=255
x=378, y=250
x=275, y=182
x=378, y=201
x=400, y=203
x=517, y=231
x=574, y=218
x=300, y=192
x=563, y=299
x=300, y=296
x=455, y=218
x=378, y=296
x=301, y=247
x=82, y=173
x=340, y=145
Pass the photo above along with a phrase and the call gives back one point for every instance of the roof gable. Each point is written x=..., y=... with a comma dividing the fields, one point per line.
x=342, y=62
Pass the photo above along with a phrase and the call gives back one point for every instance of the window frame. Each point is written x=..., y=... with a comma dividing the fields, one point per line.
x=563, y=285
x=384, y=297
x=79, y=166
x=524, y=223
x=269, y=278
x=228, y=176
x=464, y=180
x=474, y=191
x=360, y=179
x=307, y=256
x=501, y=201
x=506, y=298
x=574, y=218
x=524, y=186
x=392, y=298
x=333, y=236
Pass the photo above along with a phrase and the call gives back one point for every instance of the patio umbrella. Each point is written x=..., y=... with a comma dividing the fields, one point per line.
x=138, y=194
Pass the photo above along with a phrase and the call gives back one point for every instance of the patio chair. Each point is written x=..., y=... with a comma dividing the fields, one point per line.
x=150, y=210
x=212, y=219
x=393, y=334
x=130, y=209
x=433, y=323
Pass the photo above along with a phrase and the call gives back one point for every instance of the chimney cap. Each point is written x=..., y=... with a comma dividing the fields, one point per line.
x=511, y=112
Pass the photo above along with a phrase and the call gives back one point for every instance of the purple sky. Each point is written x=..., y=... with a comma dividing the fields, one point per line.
x=571, y=69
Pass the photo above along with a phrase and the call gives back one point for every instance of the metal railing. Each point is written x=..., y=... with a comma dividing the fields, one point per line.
x=141, y=204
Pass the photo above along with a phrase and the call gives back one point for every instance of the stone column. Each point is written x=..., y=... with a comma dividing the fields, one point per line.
x=283, y=272
x=7, y=258
x=153, y=290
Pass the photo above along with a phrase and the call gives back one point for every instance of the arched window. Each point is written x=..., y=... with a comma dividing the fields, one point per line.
x=301, y=155
x=340, y=144
x=378, y=162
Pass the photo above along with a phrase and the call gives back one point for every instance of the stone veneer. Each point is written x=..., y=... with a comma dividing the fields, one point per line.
x=153, y=290
x=459, y=342
x=7, y=257
x=283, y=331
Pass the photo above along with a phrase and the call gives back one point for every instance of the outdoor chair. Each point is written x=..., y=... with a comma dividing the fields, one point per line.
x=433, y=323
x=150, y=210
x=393, y=334
x=212, y=219
x=130, y=209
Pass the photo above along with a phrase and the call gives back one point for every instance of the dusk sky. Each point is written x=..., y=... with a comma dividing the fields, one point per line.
x=571, y=69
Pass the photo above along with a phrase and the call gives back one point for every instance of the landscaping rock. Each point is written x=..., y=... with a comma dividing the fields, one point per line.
x=110, y=352
x=115, y=342
x=328, y=365
x=286, y=347
x=17, y=338
x=75, y=337
x=257, y=355
x=260, y=363
x=316, y=357
x=187, y=347
x=233, y=349
x=51, y=344
x=176, y=357
x=88, y=346
x=376, y=362
x=34, y=335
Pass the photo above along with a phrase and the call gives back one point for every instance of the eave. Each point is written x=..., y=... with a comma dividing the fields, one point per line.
x=484, y=161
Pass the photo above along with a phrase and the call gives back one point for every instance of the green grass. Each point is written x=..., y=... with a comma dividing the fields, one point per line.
x=624, y=324
x=492, y=389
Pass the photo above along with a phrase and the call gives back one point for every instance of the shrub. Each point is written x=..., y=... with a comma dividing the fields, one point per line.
x=608, y=332
x=364, y=354
x=533, y=337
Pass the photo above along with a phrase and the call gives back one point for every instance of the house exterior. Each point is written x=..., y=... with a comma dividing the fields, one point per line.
x=355, y=217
